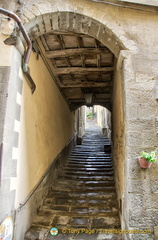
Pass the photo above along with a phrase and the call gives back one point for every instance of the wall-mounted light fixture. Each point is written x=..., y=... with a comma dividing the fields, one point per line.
x=88, y=99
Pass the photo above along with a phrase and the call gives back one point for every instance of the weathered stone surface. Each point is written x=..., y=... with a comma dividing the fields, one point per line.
x=77, y=24
x=79, y=222
x=63, y=220
x=154, y=186
x=141, y=125
x=140, y=97
x=147, y=110
x=46, y=23
x=142, y=236
x=63, y=21
x=139, y=186
x=86, y=24
x=93, y=29
x=37, y=233
x=151, y=201
x=145, y=66
x=132, y=111
x=136, y=201
x=86, y=203
x=146, y=78
x=149, y=139
x=144, y=219
x=134, y=139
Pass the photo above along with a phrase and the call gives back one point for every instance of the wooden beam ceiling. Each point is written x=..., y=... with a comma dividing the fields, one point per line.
x=76, y=52
x=82, y=70
x=78, y=61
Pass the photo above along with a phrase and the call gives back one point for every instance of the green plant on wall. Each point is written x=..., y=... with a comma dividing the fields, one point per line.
x=150, y=156
x=89, y=115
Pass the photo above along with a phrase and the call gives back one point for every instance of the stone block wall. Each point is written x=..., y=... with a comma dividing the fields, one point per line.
x=11, y=89
x=141, y=110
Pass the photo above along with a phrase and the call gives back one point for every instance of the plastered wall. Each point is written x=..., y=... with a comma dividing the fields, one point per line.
x=46, y=126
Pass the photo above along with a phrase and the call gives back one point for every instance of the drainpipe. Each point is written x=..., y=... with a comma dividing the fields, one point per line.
x=29, y=46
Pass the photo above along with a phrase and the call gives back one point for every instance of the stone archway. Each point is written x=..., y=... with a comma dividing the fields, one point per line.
x=72, y=22
x=118, y=29
x=75, y=22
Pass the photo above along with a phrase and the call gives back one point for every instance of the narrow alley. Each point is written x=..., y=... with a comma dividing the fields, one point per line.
x=83, y=203
x=61, y=176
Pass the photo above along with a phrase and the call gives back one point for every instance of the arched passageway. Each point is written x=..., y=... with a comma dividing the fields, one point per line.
x=81, y=56
x=83, y=68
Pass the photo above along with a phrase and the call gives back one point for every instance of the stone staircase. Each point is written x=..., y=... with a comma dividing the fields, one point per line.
x=83, y=203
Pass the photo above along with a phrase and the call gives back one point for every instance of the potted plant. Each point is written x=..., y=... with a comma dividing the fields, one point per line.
x=146, y=159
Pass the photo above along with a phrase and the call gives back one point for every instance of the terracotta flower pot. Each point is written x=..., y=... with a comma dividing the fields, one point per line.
x=144, y=163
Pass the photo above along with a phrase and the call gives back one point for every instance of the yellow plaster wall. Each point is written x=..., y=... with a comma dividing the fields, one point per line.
x=118, y=133
x=46, y=127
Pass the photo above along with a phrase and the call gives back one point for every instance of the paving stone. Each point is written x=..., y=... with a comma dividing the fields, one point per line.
x=105, y=222
x=79, y=222
x=63, y=220
x=36, y=233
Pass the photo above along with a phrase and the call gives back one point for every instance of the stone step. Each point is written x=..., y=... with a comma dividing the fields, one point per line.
x=89, y=161
x=85, y=183
x=73, y=202
x=90, y=145
x=87, y=169
x=90, y=152
x=77, y=212
x=99, y=222
x=85, y=189
x=81, y=173
x=82, y=197
x=86, y=178
x=88, y=164
x=35, y=233
x=90, y=156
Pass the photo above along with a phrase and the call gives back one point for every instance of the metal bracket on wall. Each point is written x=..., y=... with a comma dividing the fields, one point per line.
x=29, y=46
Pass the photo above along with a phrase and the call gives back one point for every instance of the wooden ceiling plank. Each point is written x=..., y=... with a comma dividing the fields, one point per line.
x=62, y=45
x=97, y=43
x=80, y=45
x=75, y=52
x=67, y=62
x=80, y=42
x=61, y=41
x=54, y=62
x=81, y=70
x=98, y=60
x=43, y=40
x=83, y=61
x=86, y=84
